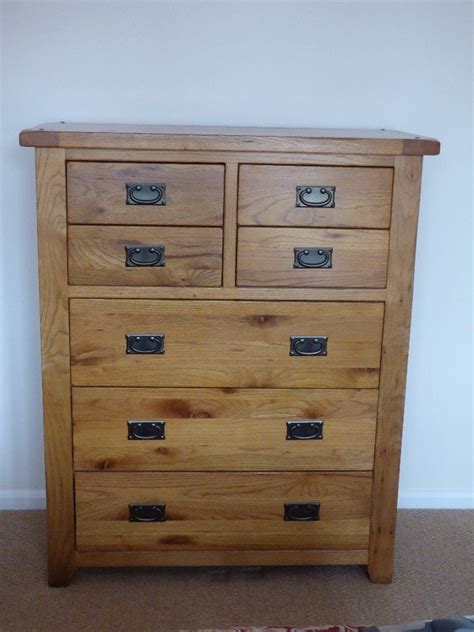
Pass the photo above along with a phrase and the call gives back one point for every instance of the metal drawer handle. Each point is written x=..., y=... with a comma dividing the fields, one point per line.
x=304, y=430
x=140, y=193
x=308, y=345
x=312, y=258
x=301, y=512
x=146, y=430
x=316, y=196
x=145, y=343
x=139, y=256
x=146, y=513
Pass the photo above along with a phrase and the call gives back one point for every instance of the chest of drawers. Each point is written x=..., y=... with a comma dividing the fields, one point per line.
x=225, y=320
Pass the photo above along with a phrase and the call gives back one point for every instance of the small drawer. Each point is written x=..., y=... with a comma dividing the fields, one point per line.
x=359, y=197
x=131, y=511
x=128, y=255
x=139, y=193
x=238, y=344
x=124, y=429
x=312, y=257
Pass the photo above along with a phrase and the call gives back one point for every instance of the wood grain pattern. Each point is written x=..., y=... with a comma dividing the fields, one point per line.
x=266, y=257
x=228, y=344
x=231, y=293
x=216, y=156
x=406, y=196
x=215, y=511
x=182, y=137
x=226, y=384
x=220, y=558
x=97, y=194
x=267, y=196
x=97, y=255
x=220, y=429
x=230, y=224
x=51, y=205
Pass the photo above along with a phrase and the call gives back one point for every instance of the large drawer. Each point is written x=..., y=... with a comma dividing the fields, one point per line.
x=312, y=257
x=224, y=343
x=359, y=197
x=225, y=510
x=106, y=193
x=223, y=429
x=135, y=255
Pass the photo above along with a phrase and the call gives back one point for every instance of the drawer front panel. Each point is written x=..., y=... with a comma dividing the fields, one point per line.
x=309, y=257
x=107, y=255
x=240, y=511
x=275, y=196
x=224, y=343
x=219, y=429
x=97, y=193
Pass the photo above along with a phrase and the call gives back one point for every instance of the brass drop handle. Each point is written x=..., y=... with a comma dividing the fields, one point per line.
x=148, y=194
x=304, y=430
x=312, y=258
x=146, y=430
x=145, y=256
x=145, y=343
x=315, y=196
x=301, y=512
x=146, y=513
x=308, y=345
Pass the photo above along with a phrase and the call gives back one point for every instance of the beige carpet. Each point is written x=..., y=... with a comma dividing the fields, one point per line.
x=434, y=578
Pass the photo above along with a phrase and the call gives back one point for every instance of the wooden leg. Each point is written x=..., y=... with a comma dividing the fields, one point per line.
x=60, y=576
x=379, y=574
x=406, y=195
x=52, y=248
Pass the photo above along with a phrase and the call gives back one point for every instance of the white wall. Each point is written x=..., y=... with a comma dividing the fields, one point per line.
x=337, y=64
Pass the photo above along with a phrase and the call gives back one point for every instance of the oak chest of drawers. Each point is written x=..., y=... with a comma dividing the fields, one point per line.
x=225, y=320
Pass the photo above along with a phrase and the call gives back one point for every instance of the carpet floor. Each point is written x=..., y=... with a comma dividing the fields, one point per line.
x=434, y=577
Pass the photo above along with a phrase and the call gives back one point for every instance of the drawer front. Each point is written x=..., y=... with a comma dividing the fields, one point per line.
x=219, y=429
x=130, y=255
x=106, y=193
x=312, y=257
x=223, y=511
x=315, y=196
x=224, y=343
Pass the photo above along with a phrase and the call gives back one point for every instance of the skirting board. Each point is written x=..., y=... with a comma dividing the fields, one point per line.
x=417, y=499
x=434, y=499
x=22, y=499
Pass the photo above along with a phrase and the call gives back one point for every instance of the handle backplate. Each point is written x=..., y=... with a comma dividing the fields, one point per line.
x=301, y=512
x=146, y=513
x=148, y=194
x=312, y=258
x=308, y=345
x=311, y=430
x=315, y=196
x=146, y=430
x=145, y=343
x=145, y=256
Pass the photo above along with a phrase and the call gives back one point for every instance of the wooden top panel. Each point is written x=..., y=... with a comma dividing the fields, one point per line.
x=333, y=141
